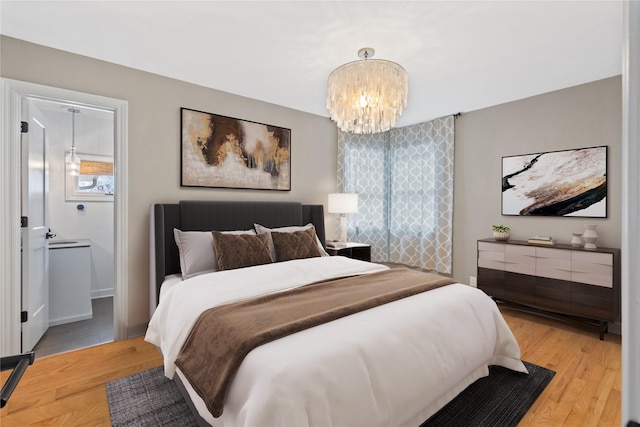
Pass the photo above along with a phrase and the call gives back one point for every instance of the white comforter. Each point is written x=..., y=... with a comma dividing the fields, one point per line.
x=396, y=364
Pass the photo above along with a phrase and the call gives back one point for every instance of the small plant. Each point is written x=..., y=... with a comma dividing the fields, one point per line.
x=500, y=228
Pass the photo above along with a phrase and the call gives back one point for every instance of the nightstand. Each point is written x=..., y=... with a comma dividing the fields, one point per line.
x=360, y=251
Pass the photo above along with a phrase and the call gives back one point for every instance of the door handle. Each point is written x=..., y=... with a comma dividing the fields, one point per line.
x=49, y=235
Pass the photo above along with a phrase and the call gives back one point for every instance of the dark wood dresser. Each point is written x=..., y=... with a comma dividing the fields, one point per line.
x=561, y=279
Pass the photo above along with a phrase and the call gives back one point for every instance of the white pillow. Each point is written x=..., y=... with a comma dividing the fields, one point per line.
x=197, y=254
x=261, y=229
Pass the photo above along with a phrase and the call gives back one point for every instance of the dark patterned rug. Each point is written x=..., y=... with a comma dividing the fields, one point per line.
x=501, y=399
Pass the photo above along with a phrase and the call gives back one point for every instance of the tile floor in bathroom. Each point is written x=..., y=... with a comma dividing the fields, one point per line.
x=85, y=333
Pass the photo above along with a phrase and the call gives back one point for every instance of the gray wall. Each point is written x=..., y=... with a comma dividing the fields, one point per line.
x=582, y=116
x=154, y=138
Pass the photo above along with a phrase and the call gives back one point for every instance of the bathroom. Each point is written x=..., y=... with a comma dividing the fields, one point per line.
x=81, y=221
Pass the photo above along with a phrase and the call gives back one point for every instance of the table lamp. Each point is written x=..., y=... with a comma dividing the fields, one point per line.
x=342, y=204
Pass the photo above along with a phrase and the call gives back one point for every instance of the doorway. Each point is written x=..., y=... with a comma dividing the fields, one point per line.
x=80, y=213
x=14, y=95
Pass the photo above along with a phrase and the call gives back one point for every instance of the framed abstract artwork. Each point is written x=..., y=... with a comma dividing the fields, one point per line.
x=225, y=152
x=556, y=183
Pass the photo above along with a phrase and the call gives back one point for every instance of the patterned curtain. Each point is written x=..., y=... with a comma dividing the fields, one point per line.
x=362, y=165
x=404, y=181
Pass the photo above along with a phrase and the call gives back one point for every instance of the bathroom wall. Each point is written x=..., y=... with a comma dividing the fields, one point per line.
x=94, y=135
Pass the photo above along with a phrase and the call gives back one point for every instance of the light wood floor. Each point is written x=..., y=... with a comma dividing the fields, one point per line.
x=68, y=389
x=586, y=390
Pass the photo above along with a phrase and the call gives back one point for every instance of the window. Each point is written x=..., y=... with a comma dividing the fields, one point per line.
x=95, y=182
x=404, y=182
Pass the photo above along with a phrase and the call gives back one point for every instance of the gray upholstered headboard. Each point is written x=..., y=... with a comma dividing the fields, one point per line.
x=216, y=215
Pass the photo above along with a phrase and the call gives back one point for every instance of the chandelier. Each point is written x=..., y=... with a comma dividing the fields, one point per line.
x=368, y=95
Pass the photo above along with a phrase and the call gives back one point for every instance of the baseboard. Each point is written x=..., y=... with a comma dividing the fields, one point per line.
x=615, y=328
x=70, y=319
x=136, y=330
x=101, y=293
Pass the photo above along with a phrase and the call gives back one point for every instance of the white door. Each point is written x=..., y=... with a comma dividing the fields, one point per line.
x=35, y=249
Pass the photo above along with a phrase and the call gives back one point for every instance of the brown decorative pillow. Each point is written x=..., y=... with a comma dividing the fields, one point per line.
x=241, y=250
x=295, y=245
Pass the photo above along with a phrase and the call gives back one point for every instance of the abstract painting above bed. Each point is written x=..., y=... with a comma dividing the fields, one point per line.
x=219, y=151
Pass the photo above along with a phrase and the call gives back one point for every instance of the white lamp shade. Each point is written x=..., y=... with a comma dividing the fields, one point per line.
x=343, y=203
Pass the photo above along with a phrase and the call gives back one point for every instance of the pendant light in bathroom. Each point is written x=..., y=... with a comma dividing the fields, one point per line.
x=71, y=159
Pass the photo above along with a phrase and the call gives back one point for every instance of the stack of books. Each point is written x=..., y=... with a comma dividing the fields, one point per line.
x=541, y=240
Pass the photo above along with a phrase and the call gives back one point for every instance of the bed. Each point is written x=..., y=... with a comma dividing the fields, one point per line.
x=391, y=364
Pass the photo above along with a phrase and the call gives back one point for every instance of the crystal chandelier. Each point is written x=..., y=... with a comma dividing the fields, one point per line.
x=368, y=95
x=71, y=159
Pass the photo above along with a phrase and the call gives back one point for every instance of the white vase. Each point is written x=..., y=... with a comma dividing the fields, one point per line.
x=501, y=235
x=590, y=236
x=576, y=240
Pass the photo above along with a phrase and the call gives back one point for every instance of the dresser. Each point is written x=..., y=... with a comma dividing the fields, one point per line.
x=581, y=283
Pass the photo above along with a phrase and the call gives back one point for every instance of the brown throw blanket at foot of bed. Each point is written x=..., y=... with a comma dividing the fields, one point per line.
x=223, y=336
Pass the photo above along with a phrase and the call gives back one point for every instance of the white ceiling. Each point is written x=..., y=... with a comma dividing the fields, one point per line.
x=460, y=55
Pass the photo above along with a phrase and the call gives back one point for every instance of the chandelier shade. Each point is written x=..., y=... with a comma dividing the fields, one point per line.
x=368, y=95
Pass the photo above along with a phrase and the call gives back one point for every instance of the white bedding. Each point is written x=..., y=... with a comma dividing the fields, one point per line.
x=169, y=282
x=395, y=364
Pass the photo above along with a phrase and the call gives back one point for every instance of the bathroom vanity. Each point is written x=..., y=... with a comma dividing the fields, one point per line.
x=69, y=281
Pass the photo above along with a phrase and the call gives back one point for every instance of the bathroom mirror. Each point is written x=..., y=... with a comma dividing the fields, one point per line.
x=95, y=181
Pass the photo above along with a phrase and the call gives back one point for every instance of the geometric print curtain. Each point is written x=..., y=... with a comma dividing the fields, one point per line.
x=362, y=169
x=404, y=182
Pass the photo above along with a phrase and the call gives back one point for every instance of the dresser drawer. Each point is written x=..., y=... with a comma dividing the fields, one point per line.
x=520, y=288
x=553, y=294
x=520, y=259
x=592, y=268
x=491, y=255
x=491, y=247
x=594, y=302
x=491, y=281
x=553, y=263
x=592, y=257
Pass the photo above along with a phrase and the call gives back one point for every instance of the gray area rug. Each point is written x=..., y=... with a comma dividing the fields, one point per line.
x=148, y=399
x=501, y=399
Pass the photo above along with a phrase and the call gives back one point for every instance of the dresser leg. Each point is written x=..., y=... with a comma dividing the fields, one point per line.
x=604, y=328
